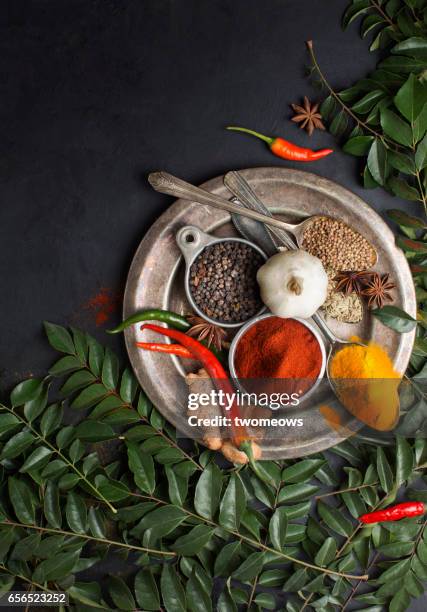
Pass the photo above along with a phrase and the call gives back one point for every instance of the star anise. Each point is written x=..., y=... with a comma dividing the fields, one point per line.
x=352, y=281
x=308, y=116
x=202, y=330
x=377, y=290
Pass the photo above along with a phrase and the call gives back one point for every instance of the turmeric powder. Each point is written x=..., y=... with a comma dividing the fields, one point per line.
x=333, y=419
x=367, y=384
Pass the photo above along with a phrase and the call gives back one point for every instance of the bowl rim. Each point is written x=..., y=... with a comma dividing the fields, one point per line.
x=308, y=324
x=190, y=262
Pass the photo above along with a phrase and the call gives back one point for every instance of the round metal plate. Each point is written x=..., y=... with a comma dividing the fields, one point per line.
x=156, y=280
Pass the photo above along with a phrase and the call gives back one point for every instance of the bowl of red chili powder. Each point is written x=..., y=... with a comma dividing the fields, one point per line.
x=285, y=352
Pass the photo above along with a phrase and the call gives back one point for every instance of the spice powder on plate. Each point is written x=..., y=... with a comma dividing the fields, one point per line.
x=278, y=348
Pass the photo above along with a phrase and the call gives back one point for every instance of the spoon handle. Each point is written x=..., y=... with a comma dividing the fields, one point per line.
x=321, y=324
x=171, y=185
x=239, y=187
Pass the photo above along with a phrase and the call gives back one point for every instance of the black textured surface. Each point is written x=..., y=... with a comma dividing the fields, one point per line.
x=96, y=93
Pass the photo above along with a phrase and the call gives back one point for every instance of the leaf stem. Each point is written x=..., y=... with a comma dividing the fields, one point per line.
x=362, y=486
x=25, y=579
x=63, y=457
x=333, y=93
x=159, y=432
x=421, y=190
x=90, y=538
x=259, y=545
x=357, y=585
x=255, y=581
x=383, y=14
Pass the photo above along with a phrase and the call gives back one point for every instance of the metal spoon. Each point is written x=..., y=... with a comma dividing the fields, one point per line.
x=254, y=231
x=164, y=182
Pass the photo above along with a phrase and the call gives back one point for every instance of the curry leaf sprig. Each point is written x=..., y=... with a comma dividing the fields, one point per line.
x=412, y=240
x=387, y=22
x=93, y=382
x=182, y=524
x=383, y=119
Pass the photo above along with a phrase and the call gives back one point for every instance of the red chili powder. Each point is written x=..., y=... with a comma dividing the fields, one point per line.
x=278, y=348
x=103, y=304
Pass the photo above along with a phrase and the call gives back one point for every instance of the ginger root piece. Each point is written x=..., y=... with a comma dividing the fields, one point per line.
x=199, y=382
x=234, y=455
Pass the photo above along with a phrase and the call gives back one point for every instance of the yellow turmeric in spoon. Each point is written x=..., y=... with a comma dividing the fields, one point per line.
x=367, y=384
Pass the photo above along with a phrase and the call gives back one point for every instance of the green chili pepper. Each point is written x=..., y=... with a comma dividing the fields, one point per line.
x=154, y=314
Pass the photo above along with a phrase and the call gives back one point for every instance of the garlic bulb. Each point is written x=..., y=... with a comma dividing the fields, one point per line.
x=293, y=284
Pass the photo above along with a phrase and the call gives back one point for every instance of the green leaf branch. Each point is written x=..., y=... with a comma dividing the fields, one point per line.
x=210, y=523
x=388, y=114
x=56, y=451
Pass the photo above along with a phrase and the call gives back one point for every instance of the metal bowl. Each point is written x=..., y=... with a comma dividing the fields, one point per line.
x=249, y=324
x=191, y=242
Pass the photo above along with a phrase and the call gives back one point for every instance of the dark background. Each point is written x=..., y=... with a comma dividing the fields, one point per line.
x=97, y=93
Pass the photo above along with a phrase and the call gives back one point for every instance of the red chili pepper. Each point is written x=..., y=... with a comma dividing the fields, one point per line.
x=213, y=368
x=284, y=148
x=170, y=349
x=394, y=513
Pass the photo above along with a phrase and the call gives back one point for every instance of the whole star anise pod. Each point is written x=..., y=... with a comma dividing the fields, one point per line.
x=352, y=281
x=377, y=290
x=308, y=116
x=202, y=330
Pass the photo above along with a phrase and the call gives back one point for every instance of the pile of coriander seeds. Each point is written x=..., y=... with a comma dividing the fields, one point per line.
x=223, y=282
x=338, y=246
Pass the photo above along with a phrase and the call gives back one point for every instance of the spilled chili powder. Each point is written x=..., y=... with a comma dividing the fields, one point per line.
x=278, y=348
x=103, y=305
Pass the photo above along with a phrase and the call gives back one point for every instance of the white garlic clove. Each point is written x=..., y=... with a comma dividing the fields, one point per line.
x=293, y=284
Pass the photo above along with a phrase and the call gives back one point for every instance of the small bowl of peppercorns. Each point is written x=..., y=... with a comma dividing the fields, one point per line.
x=220, y=276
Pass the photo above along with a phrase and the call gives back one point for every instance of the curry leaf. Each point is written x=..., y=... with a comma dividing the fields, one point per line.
x=52, y=507
x=233, y=504
x=163, y=520
x=142, y=467
x=76, y=513
x=208, y=491
x=193, y=542
x=359, y=145
x=404, y=460
x=377, y=162
x=403, y=189
x=402, y=218
x=277, y=528
x=334, y=519
x=26, y=391
x=395, y=318
x=421, y=154
x=17, y=444
x=227, y=559
x=395, y=127
x=250, y=567
x=120, y=594
x=326, y=553
x=22, y=500
x=173, y=594
x=59, y=338
x=146, y=591
x=303, y=470
x=385, y=473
